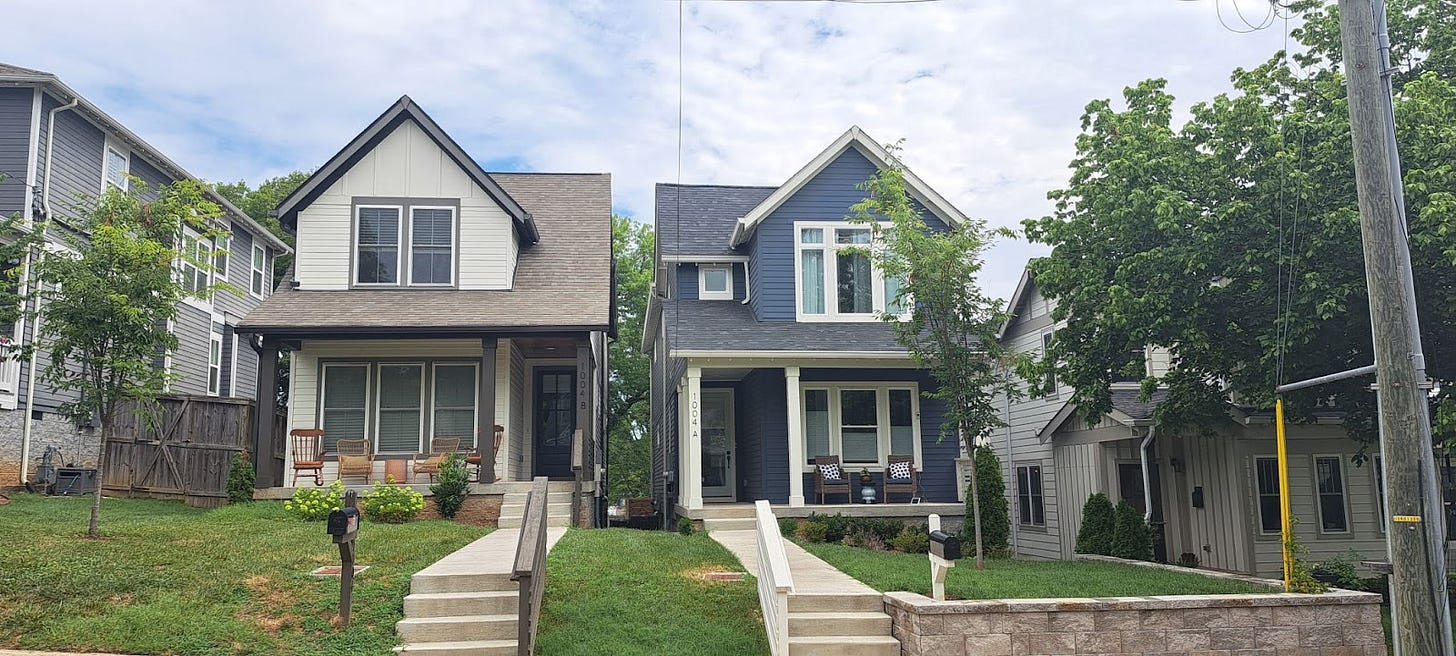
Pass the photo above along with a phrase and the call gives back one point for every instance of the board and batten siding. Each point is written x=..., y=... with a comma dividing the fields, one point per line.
x=1078, y=468
x=517, y=435
x=16, y=105
x=405, y=164
x=827, y=197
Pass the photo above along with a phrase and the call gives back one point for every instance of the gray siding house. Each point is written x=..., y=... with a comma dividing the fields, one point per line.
x=57, y=147
x=767, y=350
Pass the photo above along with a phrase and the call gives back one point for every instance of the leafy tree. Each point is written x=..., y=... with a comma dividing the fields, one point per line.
x=1095, y=535
x=951, y=331
x=628, y=394
x=995, y=516
x=1234, y=240
x=107, y=302
x=1131, y=537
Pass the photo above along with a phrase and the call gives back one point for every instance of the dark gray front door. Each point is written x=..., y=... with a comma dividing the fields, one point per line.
x=555, y=421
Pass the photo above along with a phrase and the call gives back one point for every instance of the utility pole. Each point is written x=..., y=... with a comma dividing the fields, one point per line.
x=1415, y=515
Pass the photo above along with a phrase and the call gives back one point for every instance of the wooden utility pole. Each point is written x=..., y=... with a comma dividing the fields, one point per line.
x=1415, y=515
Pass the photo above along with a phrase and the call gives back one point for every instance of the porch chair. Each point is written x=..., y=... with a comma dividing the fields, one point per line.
x=830, y=478
x=901, y=476
x=355, y=459
x=473, y=455
x=429, y=463
x=307, y=447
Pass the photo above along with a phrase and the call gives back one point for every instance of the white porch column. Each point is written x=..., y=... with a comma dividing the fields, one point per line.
x=694, y=478
x=682, y=442
x=796, y=438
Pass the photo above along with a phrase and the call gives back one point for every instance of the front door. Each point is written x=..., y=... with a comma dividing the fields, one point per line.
x=1130, y=484
x=718, y=470
x=554, y=412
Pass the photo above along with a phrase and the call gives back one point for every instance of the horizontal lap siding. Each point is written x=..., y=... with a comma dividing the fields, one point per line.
x=771, y=390
x=748, y=418
x=77, y=151
x=193, y=328
x=15, y=121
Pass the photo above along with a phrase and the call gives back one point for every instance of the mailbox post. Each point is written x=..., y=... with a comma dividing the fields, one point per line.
x=343, y=527
x=945, y=549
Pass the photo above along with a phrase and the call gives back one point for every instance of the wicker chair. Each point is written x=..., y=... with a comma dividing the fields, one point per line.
x=906, y=485
x=429, y=463
x=355, y=459
x=473, y=455
x=307, y=447
x=832, y=486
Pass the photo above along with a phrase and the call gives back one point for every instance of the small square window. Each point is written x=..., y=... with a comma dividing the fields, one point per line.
x=715, y=282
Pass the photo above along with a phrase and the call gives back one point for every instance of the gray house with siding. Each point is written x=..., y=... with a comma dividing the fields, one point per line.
x=767, y=347
x=57, y=148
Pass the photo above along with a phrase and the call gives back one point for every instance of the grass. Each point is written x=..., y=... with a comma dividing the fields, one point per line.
x=1020, y=579
x=169, y=579
x=623, y=591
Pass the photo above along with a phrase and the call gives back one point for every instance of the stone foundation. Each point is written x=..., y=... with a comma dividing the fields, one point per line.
x=1339, y=623
x=79, y=446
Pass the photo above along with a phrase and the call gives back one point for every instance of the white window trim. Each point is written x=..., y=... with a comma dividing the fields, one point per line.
x=407, y=274
x=253, y=260
x=399, y=242
x=214, y=339
x=233, y=370
x=203, y=303
x=474, y=391
x=1046, y=337
x=831, y=273
x=368, y=395
x=703, y=293
x=882, y=409
x=424, y=403
x=1016, y=492
x=108, y=146
x=1319, y=498
x=1258, y=519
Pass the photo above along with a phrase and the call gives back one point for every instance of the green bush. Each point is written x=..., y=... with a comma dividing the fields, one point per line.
x=1095, y=535
x=1131, y=538
x=912, y=540
x=1341, y=569
x=788, y=526
x=391, y=504
x=451, y=486
x=240, y=479
x=836, y=528
x=995, y=511
x=685, y=526
x=812, y=531
x=1188, y=559
x=315, y=503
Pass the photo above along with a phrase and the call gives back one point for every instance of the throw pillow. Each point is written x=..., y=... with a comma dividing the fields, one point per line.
x=899, y=470
x=830, y=472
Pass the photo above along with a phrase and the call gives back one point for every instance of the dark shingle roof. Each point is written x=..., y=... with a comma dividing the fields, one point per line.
x=563, y=280
x=708, y=214
x=728, y=326
x=1130, y=402
x=12, y=69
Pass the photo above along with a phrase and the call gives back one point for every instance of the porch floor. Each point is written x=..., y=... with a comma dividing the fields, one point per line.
x=745, y=510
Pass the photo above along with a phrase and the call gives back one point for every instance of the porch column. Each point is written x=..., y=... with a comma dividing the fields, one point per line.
x=265, y=404
x=485, y=412
x=694, y=477
x=796, y=438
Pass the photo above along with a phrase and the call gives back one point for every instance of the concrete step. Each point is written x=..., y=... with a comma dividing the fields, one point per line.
x=730, y=524
x=514, y=521
x=552, y=509
x=456, y=628
x=460, y=648
x=844, y=646
x=725, y=511
x=838, y=624
x=836, y=603
x=448, y=604
x=436, y=583
x=519, y=498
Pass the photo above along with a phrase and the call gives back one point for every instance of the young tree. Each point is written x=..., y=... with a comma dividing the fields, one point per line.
x=950, y=328
x=106, y=303
x=630, y=456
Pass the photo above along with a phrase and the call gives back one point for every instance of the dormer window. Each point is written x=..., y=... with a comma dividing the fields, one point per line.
x=715, y=282
x=432, y=245
x=392, y=252
x=377, y=235
x=836, y=278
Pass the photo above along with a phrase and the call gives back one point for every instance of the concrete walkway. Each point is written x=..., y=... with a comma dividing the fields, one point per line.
x=811, y=575
x=492, y=554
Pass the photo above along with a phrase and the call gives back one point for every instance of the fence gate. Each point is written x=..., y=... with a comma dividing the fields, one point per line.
x=180, y=448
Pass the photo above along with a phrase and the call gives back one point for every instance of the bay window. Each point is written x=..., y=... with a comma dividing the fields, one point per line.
x=836, y=276
x=862, y=423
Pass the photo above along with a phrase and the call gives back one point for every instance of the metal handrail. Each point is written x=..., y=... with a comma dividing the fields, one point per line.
x=530, y=566
x=775, y=581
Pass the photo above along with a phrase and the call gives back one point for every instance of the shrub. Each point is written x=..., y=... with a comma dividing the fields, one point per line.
x=390, y=503
x=865, y=538
x=451, y=486
x=995, y=511
x=838, y=528
x=1131, y=538
x=912, y=540
x=1340, y=570
x=1301, y=579
x=240, y=479
x=1095, y=535
x=315, y=503
x=788, y=526
x=685, y=526
x=1188, y=559
x=812, y=531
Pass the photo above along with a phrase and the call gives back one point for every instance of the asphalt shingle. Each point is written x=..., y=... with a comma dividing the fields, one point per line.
x=728, y=326
x=699, y=219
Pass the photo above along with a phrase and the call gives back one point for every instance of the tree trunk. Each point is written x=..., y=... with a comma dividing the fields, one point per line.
x=975, y=498
x=93, y=530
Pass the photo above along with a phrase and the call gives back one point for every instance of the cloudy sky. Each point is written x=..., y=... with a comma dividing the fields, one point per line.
x=987, y=94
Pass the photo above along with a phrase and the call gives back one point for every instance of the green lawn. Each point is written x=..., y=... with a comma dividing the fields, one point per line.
x=1019, y=579
x=168, y=579
x=623, y=591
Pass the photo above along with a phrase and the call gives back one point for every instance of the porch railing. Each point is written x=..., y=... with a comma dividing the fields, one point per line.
x=775, y=582
x=530, y=566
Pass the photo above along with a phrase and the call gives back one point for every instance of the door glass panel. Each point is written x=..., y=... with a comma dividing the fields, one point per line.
x=717, y=444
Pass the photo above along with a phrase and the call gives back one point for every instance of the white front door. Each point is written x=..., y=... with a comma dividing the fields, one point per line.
x=718, y=471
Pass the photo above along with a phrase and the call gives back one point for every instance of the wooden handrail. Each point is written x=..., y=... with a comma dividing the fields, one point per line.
x=530, y=566
x=775, y=581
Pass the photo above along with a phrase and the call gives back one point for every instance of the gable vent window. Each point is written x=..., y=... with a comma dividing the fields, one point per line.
x=432, y=239
x=377, y=261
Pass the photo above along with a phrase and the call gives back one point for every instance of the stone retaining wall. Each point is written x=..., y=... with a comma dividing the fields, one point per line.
x=1339, y=623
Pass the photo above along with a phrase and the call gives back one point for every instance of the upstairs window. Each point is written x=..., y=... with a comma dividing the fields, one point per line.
x=837, y=280
x=377, y=235
x=715, y=282
x=404, y=245
x=258, y=279
x=194, y=252
x=115, y=168
x=220, y=256
x=214, y=365
x=432, y=245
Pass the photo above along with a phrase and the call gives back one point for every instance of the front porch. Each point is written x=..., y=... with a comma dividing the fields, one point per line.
x=906, y=511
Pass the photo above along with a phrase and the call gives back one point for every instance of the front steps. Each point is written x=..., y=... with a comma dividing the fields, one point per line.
x=840, y=624
x=558, y=506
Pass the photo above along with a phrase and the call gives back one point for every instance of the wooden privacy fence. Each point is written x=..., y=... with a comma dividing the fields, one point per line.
x=180, y=448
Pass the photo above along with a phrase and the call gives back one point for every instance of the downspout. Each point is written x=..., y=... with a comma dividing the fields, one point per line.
x=45, y=200
x=1010, y=464
x=747, y=288
x=1147, y=482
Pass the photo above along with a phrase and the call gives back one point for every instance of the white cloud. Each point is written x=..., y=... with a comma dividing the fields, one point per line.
x=986, y=96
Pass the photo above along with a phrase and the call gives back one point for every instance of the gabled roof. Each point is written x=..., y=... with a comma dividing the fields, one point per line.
x=1023, y=287
x=53, y=85
x=875, y=153
x=402, y=110
x=1128, y=409
x=698, y=220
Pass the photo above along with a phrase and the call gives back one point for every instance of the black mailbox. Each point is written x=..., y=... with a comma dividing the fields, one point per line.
x=945, y=545
x=344, y=523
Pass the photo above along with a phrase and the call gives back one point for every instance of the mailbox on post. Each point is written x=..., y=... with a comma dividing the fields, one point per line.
x=945, y=549
x=945, y=545
x=343, y=527
x=344, y=524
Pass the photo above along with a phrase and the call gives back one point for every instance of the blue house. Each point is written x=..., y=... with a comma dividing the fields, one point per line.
x=768, y=351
